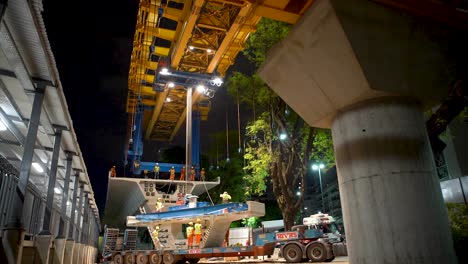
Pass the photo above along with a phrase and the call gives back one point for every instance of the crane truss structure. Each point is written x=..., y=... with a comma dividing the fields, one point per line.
x=195, y=36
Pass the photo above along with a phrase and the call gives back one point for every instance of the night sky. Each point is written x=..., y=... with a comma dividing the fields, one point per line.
x=92, y=44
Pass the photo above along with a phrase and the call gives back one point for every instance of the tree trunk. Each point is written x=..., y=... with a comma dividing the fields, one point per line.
x=289, y=213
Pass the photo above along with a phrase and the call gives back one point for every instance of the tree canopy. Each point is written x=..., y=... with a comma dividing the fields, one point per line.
x=280, y=145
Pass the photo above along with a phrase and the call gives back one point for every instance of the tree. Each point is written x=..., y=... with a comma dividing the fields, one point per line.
x=282, y=161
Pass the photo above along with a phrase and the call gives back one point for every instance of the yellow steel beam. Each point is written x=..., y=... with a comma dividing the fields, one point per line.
x=245, y=10
x=156, y=111
x=181, y=44
x=181, y=120
x=277, y=14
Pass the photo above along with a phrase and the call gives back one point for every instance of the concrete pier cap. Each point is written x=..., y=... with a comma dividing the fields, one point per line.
x=367, y=72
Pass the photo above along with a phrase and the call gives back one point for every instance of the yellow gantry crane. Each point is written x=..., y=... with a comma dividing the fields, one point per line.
x=193, y=36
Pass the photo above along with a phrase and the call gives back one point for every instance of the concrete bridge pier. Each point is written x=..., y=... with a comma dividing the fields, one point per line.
x=368, y=72
x=69, y=250
x=391, y=198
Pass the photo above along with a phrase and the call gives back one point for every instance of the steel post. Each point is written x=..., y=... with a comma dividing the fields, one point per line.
x=51, y=186
x=66, y=185
x=72, y=224
x=188, y=134
x=78, y=221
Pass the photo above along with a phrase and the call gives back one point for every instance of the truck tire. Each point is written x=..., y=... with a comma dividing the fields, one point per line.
x=118, y=259
x=193, y=260
x=316, y=252
x=330, y=259
x=168, y=258
x=141, y=258
x=155, y=258
x=129, y=259
x=292, y=253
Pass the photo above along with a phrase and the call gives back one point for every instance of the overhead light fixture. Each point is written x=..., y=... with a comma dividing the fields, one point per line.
x=201, y=88
x=168, y=99
x=38, y=167
x=164, y=71
x=170, y=84
x=216, y=81
x=208, y=50
x=191, y=47
x=57, y=190
x=2, y=126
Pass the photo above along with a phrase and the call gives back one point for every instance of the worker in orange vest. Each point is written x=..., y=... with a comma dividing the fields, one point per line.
x=192, y=174
x=112, y=172
x=172, y=173
x=189, y=232
x=198, y=232
x=182, y=174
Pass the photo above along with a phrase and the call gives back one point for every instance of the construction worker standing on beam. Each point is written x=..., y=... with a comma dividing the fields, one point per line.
x=192, y=174
x=182, y=174
x=198, y=232
x=156, y=171
x=189, y=232
x=172, y=173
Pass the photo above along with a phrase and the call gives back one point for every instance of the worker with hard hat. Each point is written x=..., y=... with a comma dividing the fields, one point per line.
x=202, y=174
x=156, y=170
x=189, y=232
x=198, y=232
x=182, y=174
x=159, y=205
x=172, y=173
x=226, y=197
x=112, y=172
x=192, y=173
x=155, y=233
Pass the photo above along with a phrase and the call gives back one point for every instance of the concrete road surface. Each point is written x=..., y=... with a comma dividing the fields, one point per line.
x=340, y=260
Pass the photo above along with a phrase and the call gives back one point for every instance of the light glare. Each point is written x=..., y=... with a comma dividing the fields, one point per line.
x=201, y=88
x=38, y=167
x=2, y=126
x=283, y=136
x=57, y=190
x=164, y=71
x=171, y=85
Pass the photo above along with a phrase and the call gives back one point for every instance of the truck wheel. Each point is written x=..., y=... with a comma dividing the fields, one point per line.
x=168, y=258
x=129, y=259
x=292, y=253
x=141, y=258
x=155, y=258
x=316, y=252
x=118, y=259
x=193, y=261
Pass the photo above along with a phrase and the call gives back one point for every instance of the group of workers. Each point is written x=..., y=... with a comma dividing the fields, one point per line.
x=194, y=230
x=172, y=173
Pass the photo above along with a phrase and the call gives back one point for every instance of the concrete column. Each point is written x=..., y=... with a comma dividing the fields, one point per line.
x=14, y=231
x=392, y=203
x=71, y=227
x=51, y=186
x=68, y=255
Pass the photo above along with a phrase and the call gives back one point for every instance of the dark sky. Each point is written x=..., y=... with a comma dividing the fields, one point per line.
x=92, y=43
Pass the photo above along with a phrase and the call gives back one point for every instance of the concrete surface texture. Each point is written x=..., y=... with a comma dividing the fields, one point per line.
x=392, y=203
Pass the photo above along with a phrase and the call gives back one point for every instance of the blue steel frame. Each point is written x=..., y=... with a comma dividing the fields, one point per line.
x=136, y=150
